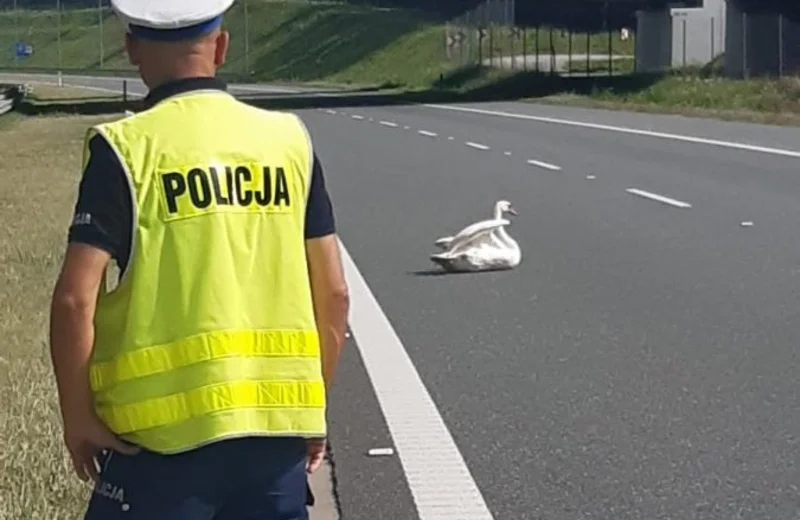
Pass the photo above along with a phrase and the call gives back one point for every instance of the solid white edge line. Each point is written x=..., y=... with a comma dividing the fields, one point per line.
x=544, y=165
x=438, y=477
x=389, y=123
x=659, y=198
x=426, y=133
x=624, y=130
x=477, y=146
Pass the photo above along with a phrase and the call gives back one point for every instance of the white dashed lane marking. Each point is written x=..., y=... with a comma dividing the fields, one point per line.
x=544, y=165
x=477, y=146
x=659, y=198
x=534, y=162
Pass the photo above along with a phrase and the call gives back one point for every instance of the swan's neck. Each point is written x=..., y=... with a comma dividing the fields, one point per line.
x=505, y=238
x=498, y=213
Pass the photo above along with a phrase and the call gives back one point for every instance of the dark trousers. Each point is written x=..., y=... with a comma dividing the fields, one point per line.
x=241, y=479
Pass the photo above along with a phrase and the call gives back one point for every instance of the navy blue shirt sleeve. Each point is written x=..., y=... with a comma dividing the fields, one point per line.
x=103, y=211
x=319, y=210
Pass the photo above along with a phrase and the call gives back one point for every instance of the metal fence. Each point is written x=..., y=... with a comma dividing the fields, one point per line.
x=719, y=38
x=567, y=37
x=761, y=43
x=81, y=35
x=492, y=35
x=85, y=35
x=34, y=34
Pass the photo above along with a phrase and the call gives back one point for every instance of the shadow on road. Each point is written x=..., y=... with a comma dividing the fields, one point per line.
x=435, y=271
x=431, y=272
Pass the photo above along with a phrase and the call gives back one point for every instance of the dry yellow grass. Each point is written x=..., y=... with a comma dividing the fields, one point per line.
x=38, y=182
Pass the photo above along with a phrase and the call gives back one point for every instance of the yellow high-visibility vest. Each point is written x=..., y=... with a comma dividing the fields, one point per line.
x=210, y=333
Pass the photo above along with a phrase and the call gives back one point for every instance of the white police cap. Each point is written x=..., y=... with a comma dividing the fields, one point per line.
x=170, y=19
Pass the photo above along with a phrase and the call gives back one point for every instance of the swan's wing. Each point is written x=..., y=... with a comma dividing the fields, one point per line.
x=480, y=234
x=479, y=228
x=472, y=229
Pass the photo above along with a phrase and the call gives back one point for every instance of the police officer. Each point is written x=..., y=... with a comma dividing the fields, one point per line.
x=193, y=385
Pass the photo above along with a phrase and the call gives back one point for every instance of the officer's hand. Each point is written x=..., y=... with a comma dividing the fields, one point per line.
x=316, y=454
x=86, y=438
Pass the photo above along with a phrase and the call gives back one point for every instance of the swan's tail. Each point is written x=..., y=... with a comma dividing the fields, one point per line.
x=442, y=260
x=444, y=242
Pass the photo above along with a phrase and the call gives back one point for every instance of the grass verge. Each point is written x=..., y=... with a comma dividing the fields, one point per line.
x=38, y=183
x=9, y=120
x=772, y=101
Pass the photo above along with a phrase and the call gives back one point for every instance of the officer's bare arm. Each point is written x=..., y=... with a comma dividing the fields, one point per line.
x=72, y=325
x=331, y=299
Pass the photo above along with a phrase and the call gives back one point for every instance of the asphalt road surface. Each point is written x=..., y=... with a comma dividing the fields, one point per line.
x=639, y=364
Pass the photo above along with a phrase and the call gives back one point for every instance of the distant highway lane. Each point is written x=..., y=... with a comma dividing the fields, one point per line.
x=640, y=364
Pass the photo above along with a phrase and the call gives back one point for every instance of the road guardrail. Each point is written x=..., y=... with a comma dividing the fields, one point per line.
x=10, y=95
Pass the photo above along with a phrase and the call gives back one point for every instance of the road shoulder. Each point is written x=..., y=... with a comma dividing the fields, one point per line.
x=321, y=483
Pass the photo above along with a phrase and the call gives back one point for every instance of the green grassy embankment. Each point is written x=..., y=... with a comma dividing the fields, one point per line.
x=291, y=41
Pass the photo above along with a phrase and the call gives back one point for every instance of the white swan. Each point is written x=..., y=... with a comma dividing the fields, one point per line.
x=500, y=208
x=486, y=247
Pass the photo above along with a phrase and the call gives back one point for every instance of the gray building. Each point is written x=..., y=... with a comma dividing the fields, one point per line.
x=677, y=37
x=748, y=39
